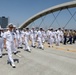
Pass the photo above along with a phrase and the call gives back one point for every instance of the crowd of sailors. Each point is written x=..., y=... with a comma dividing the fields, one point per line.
x=13, y=38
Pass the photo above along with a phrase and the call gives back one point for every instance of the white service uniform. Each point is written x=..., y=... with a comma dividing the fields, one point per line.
x=26, y=39
x=51, y=36
x=57, y=42
x=39, y=39
x=43, y=36
x=60, y=35
x=9, y=36
x=19, y=38
x=32, y=36
x=47, y=33
x=1, y=43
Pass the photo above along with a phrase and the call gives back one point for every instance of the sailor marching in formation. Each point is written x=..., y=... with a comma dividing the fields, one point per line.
x=13, y=39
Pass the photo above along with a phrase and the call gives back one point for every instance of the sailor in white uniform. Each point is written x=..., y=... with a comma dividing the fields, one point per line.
x=48, y=39
x=43, y=36
x=39, y=39
x=9, y=41
x=51, y=37
x=26, y=40
x=1, y=42
x=14, y=48
x=19, y=38
x=60, y=35
x=32, y=36
x=57, y=40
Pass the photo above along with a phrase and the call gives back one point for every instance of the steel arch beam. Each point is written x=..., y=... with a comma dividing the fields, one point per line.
x=71, y=4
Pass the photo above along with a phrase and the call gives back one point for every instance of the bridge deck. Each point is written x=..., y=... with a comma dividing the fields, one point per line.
x=50, y=61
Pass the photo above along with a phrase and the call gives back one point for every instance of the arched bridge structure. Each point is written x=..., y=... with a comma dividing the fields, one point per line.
x=63, y=6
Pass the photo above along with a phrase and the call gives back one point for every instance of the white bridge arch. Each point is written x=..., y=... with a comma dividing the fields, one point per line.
x=71, y=4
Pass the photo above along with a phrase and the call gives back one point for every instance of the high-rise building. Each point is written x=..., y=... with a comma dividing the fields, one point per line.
x=3, y=21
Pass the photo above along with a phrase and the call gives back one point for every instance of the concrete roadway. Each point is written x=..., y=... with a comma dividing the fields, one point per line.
x=50, y=61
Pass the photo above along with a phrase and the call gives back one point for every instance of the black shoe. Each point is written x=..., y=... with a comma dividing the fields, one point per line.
x=26, y=49
x=21, y=47
x=15, y=53
x=13, y=66
x=0, y=56
x=40, y=47
x=34, y=46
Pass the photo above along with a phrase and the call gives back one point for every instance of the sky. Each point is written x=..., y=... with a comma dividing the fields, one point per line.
x=19, y=11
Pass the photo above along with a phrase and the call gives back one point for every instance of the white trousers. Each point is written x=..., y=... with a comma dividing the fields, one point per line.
x=51, y=41
x=9, y=49
x=26, y=44
x=19, y=42
x=32, y=41
x=57, y=41
x=40, y=42
x=0, y=51
x=1, y=46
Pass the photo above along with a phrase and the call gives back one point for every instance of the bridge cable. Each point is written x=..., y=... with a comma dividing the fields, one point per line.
x=55, y=18
x=41, y=21
x=71, y=14
x=69, y=20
